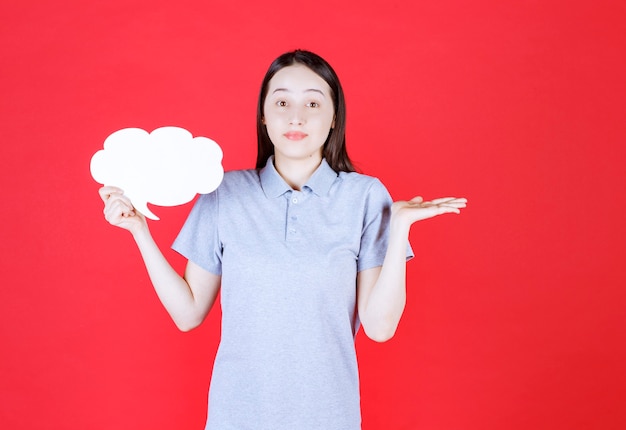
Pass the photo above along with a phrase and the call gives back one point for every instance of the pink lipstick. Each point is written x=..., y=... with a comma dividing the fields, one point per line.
x=295, y=135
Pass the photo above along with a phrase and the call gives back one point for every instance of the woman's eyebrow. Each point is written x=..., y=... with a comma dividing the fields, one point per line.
x=315, y=90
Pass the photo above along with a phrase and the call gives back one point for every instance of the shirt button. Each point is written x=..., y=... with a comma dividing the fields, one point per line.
x=294, y=218
x=292, y=230
x=294, y=200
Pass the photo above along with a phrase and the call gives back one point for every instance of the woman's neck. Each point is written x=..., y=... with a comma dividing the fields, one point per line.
x=296, y=172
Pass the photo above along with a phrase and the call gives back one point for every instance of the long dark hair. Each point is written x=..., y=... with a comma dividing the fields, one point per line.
x=335, y=146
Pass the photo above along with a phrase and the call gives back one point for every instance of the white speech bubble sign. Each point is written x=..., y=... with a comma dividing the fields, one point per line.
x=167, y=167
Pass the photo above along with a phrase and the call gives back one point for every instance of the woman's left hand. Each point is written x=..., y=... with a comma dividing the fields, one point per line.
x=417, y=209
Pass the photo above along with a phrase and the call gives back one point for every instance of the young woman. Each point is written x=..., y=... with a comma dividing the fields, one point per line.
x=304, y=251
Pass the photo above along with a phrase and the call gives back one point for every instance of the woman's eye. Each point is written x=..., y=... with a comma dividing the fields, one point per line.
x=281, y=103
x=313, y=104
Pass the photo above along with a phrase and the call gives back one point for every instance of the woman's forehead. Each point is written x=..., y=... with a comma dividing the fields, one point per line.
x=298, y=78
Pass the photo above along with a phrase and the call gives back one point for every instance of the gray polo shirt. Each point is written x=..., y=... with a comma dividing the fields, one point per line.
x=288, y=261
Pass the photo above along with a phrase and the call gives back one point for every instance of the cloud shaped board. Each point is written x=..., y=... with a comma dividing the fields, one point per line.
x=167, y=167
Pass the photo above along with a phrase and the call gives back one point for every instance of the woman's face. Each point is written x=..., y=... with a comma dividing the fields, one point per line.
x=298, y=113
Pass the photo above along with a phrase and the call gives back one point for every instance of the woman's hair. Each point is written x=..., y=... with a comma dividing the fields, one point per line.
x=335, y=146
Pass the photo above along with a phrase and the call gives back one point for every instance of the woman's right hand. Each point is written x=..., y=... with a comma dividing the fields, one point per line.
x=119, y=211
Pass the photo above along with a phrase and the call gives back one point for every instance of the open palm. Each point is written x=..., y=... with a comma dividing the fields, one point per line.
x=417, y=209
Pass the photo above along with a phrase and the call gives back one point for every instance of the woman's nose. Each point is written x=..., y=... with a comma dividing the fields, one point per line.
x=296, y=117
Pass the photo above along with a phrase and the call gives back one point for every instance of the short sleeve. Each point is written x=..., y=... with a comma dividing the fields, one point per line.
x=199, y=240
x=375, y=233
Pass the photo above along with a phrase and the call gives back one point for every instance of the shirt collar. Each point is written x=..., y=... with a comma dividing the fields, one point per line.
x=322, y=179
x=274, y=185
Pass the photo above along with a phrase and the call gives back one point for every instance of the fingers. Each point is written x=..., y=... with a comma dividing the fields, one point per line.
x=449, y=200
x=445, y=205
x=116, y=205
x=113, y=194
x=107, y=191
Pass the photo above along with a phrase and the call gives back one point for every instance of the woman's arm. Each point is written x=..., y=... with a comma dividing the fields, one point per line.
x=381, y=291
x=187, y=299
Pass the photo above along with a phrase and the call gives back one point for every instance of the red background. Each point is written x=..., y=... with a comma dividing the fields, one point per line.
x=515, y=316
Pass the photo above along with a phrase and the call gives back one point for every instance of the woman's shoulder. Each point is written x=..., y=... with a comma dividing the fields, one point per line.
x=360, y=180
x=235, y=184
x=238, y=178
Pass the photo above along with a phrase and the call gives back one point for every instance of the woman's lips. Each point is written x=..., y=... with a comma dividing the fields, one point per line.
x=295, y=135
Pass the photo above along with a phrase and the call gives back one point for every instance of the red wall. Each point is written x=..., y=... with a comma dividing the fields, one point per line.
x=515, y=317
